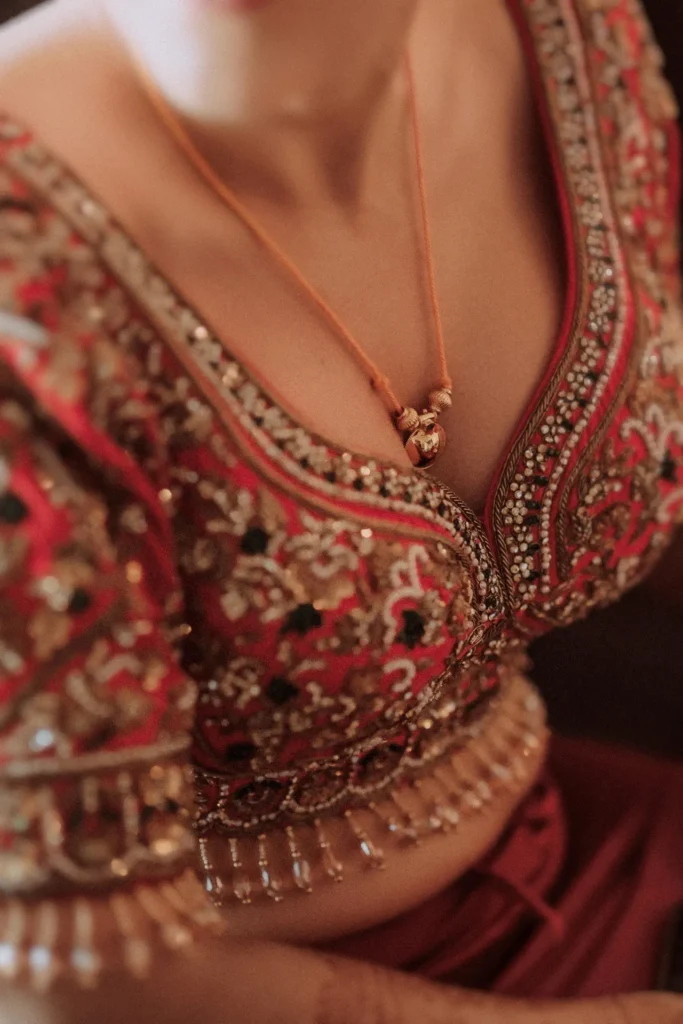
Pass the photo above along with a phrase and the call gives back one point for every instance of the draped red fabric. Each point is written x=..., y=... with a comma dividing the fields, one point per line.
x=575, y=899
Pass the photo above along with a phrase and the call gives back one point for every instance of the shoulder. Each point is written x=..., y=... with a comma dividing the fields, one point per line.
x=38, y=35
x=47, y=58
x=74, y=336
x=64, y=318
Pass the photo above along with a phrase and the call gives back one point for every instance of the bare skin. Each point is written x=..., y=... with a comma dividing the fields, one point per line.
x=301, y=108
x=269, y=984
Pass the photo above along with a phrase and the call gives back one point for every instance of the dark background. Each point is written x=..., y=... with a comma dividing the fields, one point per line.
x=618, y=676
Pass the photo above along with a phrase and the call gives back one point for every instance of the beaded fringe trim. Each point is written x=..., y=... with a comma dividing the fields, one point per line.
x=79, y=937
x=500, y=745
x=90, y=823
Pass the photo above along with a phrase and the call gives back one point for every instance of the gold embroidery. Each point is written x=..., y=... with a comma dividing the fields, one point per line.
x=442, y=794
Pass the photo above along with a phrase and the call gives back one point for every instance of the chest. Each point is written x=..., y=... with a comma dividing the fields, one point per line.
x=586, y=494
x=501, y=282
x=498, y=254
x=597, y=449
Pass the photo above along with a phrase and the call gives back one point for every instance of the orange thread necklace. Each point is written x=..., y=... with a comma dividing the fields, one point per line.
x=423, y=437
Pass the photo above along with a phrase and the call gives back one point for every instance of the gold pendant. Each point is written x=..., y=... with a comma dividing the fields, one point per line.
x=426, y=442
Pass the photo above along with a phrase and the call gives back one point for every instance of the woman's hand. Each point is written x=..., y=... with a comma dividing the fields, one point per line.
x=641, y=1008
x=634, y=1009
x=226, y=983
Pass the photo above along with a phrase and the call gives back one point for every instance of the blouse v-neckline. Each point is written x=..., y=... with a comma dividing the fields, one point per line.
x=278, y=431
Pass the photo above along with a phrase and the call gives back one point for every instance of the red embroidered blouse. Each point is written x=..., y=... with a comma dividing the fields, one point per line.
x=168, y=530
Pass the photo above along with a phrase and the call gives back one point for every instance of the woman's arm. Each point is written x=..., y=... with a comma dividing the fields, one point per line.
x=97, y=849
x=237, y=983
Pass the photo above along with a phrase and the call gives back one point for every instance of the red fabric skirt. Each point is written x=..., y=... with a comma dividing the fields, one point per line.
x=575, y=899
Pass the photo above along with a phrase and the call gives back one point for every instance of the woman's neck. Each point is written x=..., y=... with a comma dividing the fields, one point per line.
x=291, y=105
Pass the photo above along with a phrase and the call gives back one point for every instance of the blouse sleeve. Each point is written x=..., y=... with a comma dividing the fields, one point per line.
x=95, y=791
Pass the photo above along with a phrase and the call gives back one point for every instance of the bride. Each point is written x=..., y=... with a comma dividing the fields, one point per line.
x=341, y=358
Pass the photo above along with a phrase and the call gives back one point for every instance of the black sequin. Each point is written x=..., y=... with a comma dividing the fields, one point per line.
x=413, y=629
x=668, y=470
x=254, y=541
x=12, y=508
x=80, y=601
x=240, y=752
x=280, y=690
x=302, y=619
